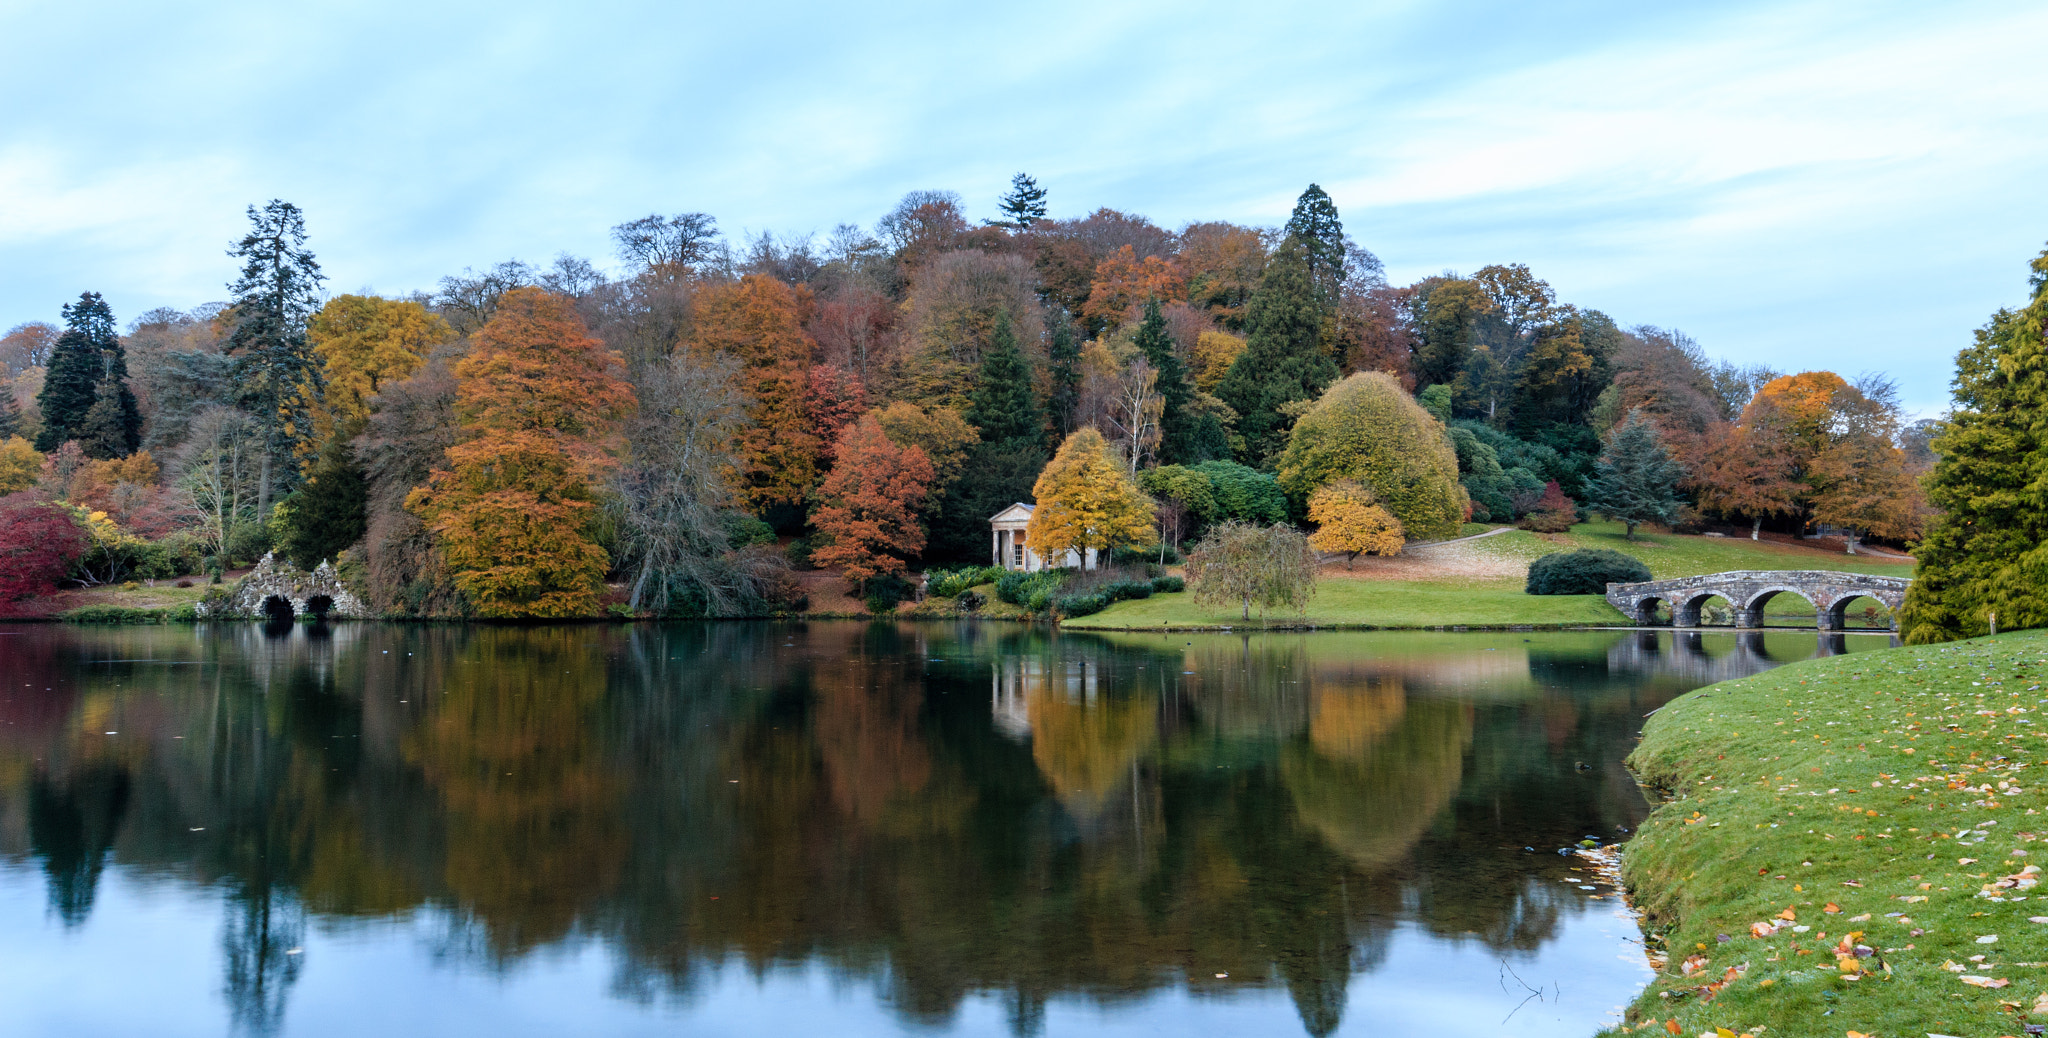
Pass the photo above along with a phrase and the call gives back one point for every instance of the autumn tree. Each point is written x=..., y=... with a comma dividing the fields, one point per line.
x=366, y=342
x=1224, y=263
x=276, y=371
x=868, y=506
x=833, y=398
x=538, y=402
x=1120, y=398
x=1737, y=470
x=20, y=465
x=1123, y=281
x=755, y=321
x=1246, y=564
x=1350, y=520
x=1366, y=428
x=39, y=541
x=1987, y=550
x=1086, y=499
x=1836, y=442
x=1553, y=512
x=1637, y=479
x=958, y=307
x=940, y=432
x=670, y=248
x=1445, y=313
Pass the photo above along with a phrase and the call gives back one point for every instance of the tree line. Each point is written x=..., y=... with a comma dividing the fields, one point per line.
x=520, y=438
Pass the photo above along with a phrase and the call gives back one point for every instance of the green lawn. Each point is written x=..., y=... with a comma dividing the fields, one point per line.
x=1341, y=602
x=1374, y=603
x=1876, y=799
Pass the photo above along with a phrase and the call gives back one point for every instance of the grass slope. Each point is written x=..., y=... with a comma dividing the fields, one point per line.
x=1454, y=600
x=1878, y=798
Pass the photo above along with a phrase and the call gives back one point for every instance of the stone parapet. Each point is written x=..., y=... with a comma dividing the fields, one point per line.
x=1747, y=591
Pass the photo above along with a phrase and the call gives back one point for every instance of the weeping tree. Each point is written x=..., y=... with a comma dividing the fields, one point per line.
x=1245, y=564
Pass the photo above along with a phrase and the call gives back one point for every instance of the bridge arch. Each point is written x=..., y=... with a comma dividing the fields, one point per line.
x=1748, y=592
x=1752, y=610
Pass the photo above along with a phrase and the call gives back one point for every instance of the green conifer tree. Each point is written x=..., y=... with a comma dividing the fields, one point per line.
x=10, y=415
x=1024, y=205
x=1314, y=223
x=276, y=369
x=77, y=365
x=1988, y=550
x=331, y=511
x=1003, y=407
x=1064, y=370
x=1283, y=362
x=102, y=434
x=1636, y=481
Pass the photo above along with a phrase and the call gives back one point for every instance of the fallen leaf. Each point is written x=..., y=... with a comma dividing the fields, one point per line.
x=1788, y=914
x=1762, y=929
x=1832, y=908
x=1672, y=1025
x=1984, y=982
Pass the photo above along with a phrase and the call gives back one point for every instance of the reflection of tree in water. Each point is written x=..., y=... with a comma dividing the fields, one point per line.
x=1378, y=769
x=71, y=823
x=512, y=751
x=261, y=940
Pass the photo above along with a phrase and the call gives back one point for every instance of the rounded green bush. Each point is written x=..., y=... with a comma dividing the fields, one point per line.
x=1369, y=429
x=1587, y=571
x=1168, y=585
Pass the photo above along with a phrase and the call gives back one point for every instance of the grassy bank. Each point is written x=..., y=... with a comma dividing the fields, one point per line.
x=1877, y=800
x=1478, y=583
x=1374, y=603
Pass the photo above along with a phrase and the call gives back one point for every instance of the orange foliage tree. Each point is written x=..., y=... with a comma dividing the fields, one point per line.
x=537, y=402
x=869, y=505
x=1123, y=281
x=757, y=320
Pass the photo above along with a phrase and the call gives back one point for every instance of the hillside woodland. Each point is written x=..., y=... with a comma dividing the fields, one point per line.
x=672, y=435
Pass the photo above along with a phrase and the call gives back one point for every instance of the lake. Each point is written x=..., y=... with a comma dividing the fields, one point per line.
x=844, y=828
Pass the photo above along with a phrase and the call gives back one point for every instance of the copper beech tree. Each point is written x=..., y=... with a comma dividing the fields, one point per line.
x=538, y=404
x=868, y=507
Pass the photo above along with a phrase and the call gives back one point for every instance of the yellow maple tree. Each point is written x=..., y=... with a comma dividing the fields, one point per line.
x=1087, y=499
x=1352, y=521
x=366, y=343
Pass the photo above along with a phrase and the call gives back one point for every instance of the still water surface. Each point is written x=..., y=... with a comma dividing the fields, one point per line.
x=838, y=828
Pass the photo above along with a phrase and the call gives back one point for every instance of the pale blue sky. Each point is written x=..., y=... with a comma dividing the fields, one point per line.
x=1850, y=186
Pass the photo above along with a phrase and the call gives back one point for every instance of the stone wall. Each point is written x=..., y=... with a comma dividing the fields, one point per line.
x=1748, y=590
x=306, y=594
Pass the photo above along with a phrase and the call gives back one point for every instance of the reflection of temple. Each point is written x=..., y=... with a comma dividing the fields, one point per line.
x=1015, y=679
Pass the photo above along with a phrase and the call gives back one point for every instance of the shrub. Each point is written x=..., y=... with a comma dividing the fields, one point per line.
x=1117, y=591
x=970, y=601
x=881, y=593
x=942, y=583
x=1082, y=605
x=1040, y=599
x=799, y=554
x=1168, y=585
x=113, y=614
x=1584, y=572
x=39, y=542
x=1017, y=587
x=742, y=530
x=246, y=542
x=184, y=583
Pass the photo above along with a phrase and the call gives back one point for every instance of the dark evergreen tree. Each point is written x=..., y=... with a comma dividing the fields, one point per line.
x=10, y=415
x=1182, y=439
x=1003, y=408
x=276, y=369
x=1064, y=369
x=102, y=434
x=77, y=364
x=331, y=511
x=1024, y=205
x=1636, y=481
x=1315, y=225
x=1283, y=361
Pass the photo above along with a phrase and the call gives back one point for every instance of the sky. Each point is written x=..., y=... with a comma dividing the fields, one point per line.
x=1849, y=186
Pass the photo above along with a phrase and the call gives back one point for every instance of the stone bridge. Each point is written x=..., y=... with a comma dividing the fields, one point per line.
x=277, y=591
x=1748, y=590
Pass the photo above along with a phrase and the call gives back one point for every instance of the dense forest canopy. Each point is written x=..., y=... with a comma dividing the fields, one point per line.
x=874, y=395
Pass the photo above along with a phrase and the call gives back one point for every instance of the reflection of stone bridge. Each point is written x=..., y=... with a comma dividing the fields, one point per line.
x=1746, y=591
x=1687, y=654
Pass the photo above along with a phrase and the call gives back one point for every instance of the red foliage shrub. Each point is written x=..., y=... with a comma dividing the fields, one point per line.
x=38, y=543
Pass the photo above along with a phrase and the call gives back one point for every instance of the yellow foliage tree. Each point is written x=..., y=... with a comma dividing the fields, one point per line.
x=1351, y=521
x=366, y=343
x=20, y=465
x=939, y=431
x=1087, y=499
x=1215, y=352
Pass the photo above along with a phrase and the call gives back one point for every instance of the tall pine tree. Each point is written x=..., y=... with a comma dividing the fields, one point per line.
x=1024, y=205
x=10, y=415
x=1314, y=223
x=87, y=355
x=1186, y=436
x=277, y=370
x=1283, y=361
x=1064, y=368
x=1987, y=551
x=1004, y=409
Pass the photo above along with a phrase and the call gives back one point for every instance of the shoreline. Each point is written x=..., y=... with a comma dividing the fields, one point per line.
x=1842, y=843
